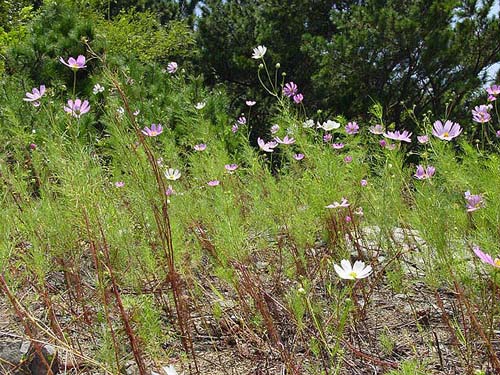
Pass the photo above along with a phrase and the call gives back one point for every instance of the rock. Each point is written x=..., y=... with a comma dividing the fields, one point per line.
x=37, y=365
x=10, y=353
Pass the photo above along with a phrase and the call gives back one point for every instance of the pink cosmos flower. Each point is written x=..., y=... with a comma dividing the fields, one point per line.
x=136, y=112
x=172, y=67
x=298, y=157
x=290, y=89
x=327, y=137
x=493, y=90
x=242, y=120
x=285, y=141
x=170, y=191
x=79, y=63
x=348, y=159
x=480, y=113
x=119, y=184
x=298, y=98
x=343, y=204
x=200, y=147
x=352, y=128
x=33, y=146
x=474, y=201
x=34, y=96
x=153, y=131
x=382, y=143
x=377, y=129
x=234, y=128
x=77, y=108
x=486, y=258
x=213, y=183
x=446, y=132
x=498, y=133
x=275, y=128
x=231, y=167
x=424, y=173
x=267, y=146
x=399, y=136
x=337, y=146
x=423, y=139
x=250, y=103
x=364, y=183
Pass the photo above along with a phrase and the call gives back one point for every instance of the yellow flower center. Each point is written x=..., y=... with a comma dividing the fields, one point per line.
x=497, y=262
x=355, y=275
x=446, y=134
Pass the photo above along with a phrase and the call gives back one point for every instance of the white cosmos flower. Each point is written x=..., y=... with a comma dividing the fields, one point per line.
x=200, y=105
x=172, y=174
x=308, y=123
x=343, y=203
x=358, y=271
x=259, y=52
x=329, y=125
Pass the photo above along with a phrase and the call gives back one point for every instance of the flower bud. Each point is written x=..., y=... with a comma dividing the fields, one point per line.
x=278, y=65
x=261, y=66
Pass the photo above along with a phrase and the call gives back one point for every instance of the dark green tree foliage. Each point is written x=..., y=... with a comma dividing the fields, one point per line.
x=344, y=55
x=420, y=53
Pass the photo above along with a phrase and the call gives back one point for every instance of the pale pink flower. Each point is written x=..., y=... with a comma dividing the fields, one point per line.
x=352, y=128
x=399, y=136
x=75, y=64
x=285, y=141
x=153, y=131
x=275, y=128
x=298, y=98
x=298, y=157
x=34, y=96
x=423, y=139
x=364, y=183
x=474, y=201
x=480, y=113
x=77, y=108
x=200, y=147
x=348, y=159
x=424, y=173
x=119, y=184
x=377, y=129
x=446, y=132
x=327, y=138
x=290, y=89
x=213, y=183
x=231, y=167
x=343, y=204
x=266, y=146
x=486, y=258
x=338, y=146
x=172, y=67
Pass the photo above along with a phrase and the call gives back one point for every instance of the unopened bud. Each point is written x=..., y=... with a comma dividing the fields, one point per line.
x=278, y=65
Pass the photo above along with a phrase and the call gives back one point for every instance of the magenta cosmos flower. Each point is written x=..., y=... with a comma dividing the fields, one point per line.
x=480, y=113
x=352, y=128
x=474, y=201
x=298, y=157
x=79, y=63
x=153, y=131
x=399, y=136
x=231, y=167
x=337, y=146
x=285, y=141
x=34, y=96
x=213, y=183
x=446, y=132
x=298, y=98
x=424, y=173
x=77, y=108
x=486, y=258
x=200, y=147
x=172, y=67
x=267, y=146
x=290, y=89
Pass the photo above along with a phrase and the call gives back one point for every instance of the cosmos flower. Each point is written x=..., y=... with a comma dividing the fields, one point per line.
x=327, y=138
x=486, y=258
x=172, y=174
x=285, y=141
x=493, y=90
x=446, y=132
x=170, y=191
x=259, y=52
x=308, y=123
x=200, y=105
x=79, y=63
x=343, y=203
x=352, y=128
x=399, y=136
x=97, y=89
x=231, y=167
x=213, y=183
x=358, y=271
x=200, y=147
x=298, y=98
x=153, y=131
x=348, y=159
x=275, y=128
x=376, y=129
x=234, y=128
x=298, y=157
x=363, y=183
x=474, y=201
x=338, y=146
x=267, y=146
x=34, y=96
x=119, y=184
x=172, y=67
x=290, y=89
x=480, y=113
x=329, y=125
x=423, y=139
x=77, y=108
x=250, y=103
x=242, y=120
x=424, y=173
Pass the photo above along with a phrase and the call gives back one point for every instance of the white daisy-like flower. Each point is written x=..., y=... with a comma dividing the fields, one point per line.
x=259, y=52
x=172, y=174
x=329, y=125
x=357, y=271
x=200, y=105
x=170, y=370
